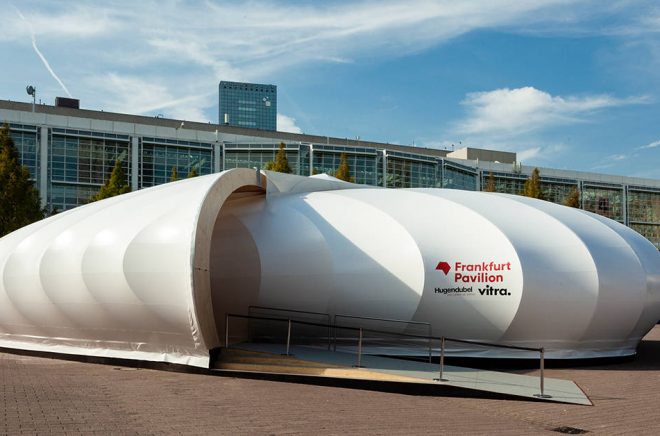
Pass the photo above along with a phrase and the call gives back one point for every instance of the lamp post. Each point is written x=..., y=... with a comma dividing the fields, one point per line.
x=31, y=90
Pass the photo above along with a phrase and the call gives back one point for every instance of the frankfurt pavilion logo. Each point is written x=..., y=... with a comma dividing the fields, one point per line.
x=479, y=273
x=444, y=267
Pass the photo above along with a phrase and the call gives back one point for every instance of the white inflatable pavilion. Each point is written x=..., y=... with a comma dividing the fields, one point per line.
x=150, y=275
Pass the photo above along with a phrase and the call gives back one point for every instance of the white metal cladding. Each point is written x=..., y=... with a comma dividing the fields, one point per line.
x=139, y=276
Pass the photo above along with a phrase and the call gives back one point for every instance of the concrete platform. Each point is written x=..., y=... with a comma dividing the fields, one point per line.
x=312, y=361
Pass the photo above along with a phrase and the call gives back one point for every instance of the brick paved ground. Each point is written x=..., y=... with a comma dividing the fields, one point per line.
x=47, y=396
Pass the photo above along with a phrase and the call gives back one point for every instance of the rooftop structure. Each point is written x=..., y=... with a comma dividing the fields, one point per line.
x=469, y=153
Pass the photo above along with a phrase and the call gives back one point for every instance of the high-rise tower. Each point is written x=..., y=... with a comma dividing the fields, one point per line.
x=249, y=105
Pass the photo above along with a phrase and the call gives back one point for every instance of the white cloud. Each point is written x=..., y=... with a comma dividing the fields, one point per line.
x=169, y=43
x=614, y=160
x=522, y=110
x=534, y=151
x=136, y=95
x=264, y=36
x=73, y=21
x=287, y=124
x=518, y=120
x=644, y=24
x=653, y=144
x=529, y=153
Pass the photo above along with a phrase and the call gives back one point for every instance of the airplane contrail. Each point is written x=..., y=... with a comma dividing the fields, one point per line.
x=41, y=56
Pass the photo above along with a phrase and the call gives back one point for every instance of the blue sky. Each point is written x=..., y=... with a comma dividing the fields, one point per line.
x=564, y=83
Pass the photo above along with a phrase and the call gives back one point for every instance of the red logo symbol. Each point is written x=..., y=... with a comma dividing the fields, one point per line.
x=444, y=266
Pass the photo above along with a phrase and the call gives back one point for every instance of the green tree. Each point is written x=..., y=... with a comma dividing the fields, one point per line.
x=573, y=198
x=115, y=185
x=193, y=173
x=281, y=164
x=175, y=175
x=532, y=186
x=490, y=183
x=19, y=199
x=343, y=172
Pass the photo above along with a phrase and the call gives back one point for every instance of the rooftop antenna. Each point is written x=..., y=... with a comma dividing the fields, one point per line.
x=31, y=90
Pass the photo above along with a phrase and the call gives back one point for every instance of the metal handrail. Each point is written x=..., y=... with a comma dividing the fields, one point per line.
x=339, y=315
x=307, y=312
x=399, y=321
x=278, y=309
x=467, y=341
x=442, y=340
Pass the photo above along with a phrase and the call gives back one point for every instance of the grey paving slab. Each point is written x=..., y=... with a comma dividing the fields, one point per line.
x=528, y=386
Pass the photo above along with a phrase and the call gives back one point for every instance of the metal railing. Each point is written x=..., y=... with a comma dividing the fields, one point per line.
x=428, y=326
x=540, y=350
x=277, y=310
x=360, y=330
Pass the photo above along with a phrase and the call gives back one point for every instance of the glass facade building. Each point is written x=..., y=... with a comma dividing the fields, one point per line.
x=407, y=170
x=457, y=176
x=606, y=200
x=79, y=164
x=159, y=157
x=248, y=105
x=26, y=139
x=553, y=189
x=69, y=163
x=258, y=155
